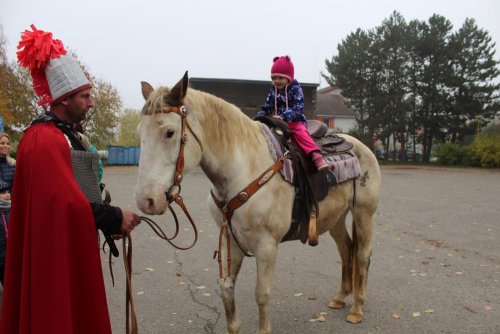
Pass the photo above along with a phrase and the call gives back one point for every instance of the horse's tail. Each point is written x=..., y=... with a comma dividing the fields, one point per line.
x=354, y=258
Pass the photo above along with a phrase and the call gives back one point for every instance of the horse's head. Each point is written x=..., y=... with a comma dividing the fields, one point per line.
x=169, y=147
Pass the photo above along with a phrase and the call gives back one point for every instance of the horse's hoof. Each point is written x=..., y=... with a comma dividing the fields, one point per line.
x=354, y=318
x=336, y=304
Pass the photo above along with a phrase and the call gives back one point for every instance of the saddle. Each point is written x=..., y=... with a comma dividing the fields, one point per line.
x=311, y=186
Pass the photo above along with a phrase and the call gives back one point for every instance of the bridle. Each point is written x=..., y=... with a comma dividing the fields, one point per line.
x=172, y=195
x=175, y=189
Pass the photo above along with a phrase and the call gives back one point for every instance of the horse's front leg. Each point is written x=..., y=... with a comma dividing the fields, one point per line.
x=266, y=259
x=227, y=289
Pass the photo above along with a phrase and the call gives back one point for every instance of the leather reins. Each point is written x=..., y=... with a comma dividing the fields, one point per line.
x=172, y=195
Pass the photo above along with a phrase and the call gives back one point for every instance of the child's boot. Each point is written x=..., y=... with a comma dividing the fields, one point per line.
x=319, y=161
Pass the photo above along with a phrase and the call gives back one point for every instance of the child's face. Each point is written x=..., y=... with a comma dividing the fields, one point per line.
x=279, y=82
x=5, y=195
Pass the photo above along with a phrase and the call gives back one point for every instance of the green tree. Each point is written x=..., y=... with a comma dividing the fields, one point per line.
x=102, y=120
x=474, y=92
x=349, y=71
x=415, y=47
x=391, y=37
x=417, y=82
x=128, y=128
x=17, y=97
x=437, y=73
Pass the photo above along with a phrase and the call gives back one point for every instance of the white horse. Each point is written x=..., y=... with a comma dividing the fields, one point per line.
x=232, y=151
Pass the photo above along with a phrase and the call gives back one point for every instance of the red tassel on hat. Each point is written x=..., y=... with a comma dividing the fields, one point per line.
x=38, y=48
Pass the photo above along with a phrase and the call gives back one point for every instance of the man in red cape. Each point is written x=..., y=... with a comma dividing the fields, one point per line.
x=53, y=279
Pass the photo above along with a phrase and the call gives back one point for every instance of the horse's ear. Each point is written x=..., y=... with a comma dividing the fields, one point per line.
x=178, y=93
x=147, y=89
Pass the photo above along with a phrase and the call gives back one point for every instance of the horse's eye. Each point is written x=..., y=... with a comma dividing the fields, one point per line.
x=169, y=133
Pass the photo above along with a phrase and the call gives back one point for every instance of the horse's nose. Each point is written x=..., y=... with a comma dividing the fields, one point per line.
x=146, y=204
x=150, y=204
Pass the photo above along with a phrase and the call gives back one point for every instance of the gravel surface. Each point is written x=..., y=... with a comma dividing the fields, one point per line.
x=435, y=265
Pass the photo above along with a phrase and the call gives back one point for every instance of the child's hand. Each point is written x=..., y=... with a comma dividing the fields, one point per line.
x=277, y=117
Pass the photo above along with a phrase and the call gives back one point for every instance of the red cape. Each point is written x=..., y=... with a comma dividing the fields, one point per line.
x=53, y=278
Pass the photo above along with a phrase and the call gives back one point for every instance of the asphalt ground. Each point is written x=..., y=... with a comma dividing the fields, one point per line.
x=435, y=266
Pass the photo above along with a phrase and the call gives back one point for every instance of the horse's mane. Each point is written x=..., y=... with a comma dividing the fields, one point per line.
x=156, y=101
x=224, y=122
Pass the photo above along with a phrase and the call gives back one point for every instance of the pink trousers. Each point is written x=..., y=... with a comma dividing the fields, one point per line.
x=302, y=137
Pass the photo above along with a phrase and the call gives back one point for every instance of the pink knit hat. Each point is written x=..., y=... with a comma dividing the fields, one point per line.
x=282, y=67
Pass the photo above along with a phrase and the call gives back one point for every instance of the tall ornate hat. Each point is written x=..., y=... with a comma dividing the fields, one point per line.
x=55, y=74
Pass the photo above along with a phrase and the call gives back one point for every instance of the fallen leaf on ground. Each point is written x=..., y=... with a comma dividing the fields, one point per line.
x=200, y=287
x=396, y=316
x=488, y=308
x=149, y=269
x=300, y=294
x=467, y=308
x=416, y=314
x=429, y=311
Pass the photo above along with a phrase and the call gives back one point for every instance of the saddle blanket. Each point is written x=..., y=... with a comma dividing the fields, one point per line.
x=344, y=166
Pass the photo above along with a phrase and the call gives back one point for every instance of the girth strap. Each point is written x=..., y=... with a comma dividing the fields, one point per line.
x=228, y=208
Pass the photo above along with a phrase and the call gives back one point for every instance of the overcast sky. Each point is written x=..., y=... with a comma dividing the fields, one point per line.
x=125, y=42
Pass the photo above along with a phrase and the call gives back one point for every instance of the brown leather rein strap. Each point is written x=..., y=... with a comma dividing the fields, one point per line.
x=228, y=208
x=130, y=318
x=173, y=195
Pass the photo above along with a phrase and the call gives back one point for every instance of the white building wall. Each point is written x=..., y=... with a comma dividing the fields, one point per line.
x=345, y=124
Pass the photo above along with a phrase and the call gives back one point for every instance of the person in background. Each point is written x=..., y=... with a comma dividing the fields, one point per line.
x=7, y=164
x=4, y=224
x=286, y=101
x=53, y=276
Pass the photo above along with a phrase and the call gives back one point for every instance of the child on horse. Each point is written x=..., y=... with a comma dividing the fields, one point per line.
x=286, y=101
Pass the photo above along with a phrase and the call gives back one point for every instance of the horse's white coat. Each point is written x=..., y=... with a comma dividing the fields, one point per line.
x=234, y=153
